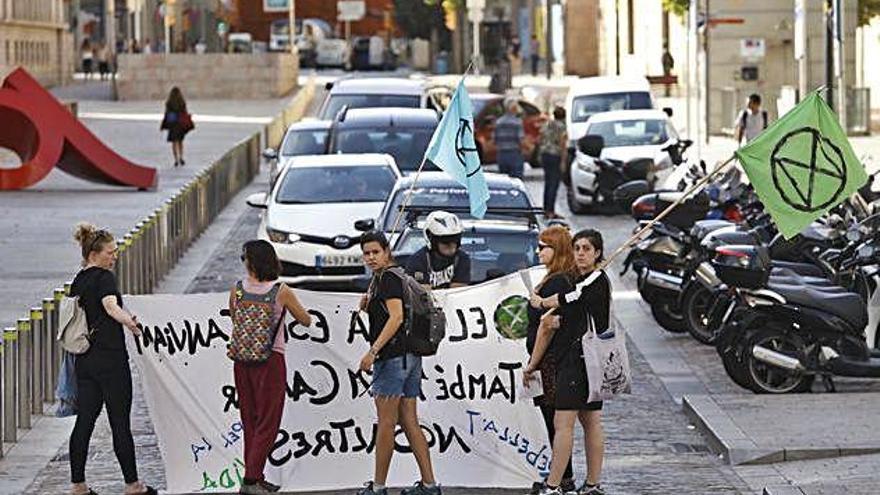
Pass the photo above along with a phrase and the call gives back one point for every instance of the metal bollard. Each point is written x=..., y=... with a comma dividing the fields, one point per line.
x=50, y=323
x=23, y=373
x=36, y=368
x=56, y=346
x=2, y=402
x=136, y=259
x=121, y=275
x=10, y=364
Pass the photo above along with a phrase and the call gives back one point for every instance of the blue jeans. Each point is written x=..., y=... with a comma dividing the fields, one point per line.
x=392, y=379
x=510, y=162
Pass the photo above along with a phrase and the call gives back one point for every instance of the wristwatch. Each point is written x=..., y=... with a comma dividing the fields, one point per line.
x=374, y=353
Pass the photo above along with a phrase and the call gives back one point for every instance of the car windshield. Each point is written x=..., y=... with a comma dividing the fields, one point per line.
x=455, y=197
x=584, y=107
x=356, y=184
x=406, y=145
x=631, y=132
x=336, y=102
x=493, y=254
x=305, y=142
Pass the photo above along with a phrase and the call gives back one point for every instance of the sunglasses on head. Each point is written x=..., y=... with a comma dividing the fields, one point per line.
x=542, y=246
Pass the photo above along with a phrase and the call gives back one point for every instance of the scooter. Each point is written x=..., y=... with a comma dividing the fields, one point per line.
x=777, y=337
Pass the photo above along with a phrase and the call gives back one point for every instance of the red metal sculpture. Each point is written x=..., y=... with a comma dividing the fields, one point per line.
x=44, y=134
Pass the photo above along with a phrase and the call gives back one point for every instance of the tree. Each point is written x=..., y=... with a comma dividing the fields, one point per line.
x=418, y=19
x=677, y=7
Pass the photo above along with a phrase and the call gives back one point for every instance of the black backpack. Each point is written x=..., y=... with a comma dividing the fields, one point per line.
x=745, y=113
x=424, y=324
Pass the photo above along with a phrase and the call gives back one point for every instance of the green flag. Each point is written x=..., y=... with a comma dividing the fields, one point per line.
x=802, y=165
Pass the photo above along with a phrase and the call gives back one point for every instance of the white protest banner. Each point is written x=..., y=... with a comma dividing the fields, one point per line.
x=482, y=433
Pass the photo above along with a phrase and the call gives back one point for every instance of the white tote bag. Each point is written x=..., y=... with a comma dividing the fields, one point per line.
x=605, y=356
x=73, y=328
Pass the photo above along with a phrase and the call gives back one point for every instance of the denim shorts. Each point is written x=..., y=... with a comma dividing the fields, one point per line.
x=392, y=379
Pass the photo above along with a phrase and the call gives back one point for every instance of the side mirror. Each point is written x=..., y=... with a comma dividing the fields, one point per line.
x=328, y=86
x=703, y=167
x=668, y=111
x=591, y=145
x=257, y=200
x=365, y=225
x=270, y=154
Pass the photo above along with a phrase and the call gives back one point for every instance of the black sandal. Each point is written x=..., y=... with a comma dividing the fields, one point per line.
x=149, y=491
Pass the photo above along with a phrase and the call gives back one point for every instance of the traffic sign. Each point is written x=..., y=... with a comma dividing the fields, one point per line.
x=350, y=10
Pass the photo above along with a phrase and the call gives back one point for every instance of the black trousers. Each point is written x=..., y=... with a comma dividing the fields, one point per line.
x=548, y=412
x=103, y=377
x=552, y=165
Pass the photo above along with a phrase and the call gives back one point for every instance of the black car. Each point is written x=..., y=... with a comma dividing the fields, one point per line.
x=403, y=133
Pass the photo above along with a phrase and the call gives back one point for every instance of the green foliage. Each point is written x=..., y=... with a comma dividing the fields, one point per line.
x=417, y=19
x=677, y=7
x=447, y=4
x=868, y=9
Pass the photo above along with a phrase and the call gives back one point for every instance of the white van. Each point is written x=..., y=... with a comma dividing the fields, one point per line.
x=592, y=95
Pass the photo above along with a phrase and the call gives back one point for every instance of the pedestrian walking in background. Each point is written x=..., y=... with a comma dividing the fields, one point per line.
x=555, y=253
x=561, y=338
x=178, y=122
x=515, y=55
x=509, y=141
x=397, y=374
x=103, y=60
x=534, y=55
x=257, y=305
x=752, y=120
x=103, y=375
x=87, y=56
x=553, y=141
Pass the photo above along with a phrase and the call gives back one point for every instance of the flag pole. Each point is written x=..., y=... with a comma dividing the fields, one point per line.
x=637, y=236
x=412, y=186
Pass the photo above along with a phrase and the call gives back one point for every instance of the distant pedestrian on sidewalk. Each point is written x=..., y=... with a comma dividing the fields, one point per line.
x=553, y=141
x=103, y=376
x=534, y=55
x=178, y=122
x=509, y=141
x=103, y=60
x=752, y=120
x=397, y=374
x=555, y=253
x=561, y=338
x=257, y=304
x=88, y=57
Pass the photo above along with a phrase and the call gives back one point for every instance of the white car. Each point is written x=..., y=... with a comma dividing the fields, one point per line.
x=591, y=95
x=373, y=92
x=309, y=211
x=628, y=135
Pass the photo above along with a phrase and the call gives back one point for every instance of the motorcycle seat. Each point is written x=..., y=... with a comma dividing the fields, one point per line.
x=800, y=268
x=847, y=306
x=790, y=277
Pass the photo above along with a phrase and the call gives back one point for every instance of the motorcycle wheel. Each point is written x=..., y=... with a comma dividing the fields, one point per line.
x=667, y=318
x=765, y=378
x=735, y=369
x=694, y=307
x=573, y=204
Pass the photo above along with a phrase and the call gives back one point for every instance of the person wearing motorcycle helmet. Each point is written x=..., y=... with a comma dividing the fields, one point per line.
x=441, y=264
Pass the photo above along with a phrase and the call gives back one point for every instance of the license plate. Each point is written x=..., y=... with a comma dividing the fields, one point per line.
x=333, y=260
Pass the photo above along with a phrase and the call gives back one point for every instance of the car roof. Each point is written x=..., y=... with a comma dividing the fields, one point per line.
x=379, y=85
x=389, y=117
x=618, y=115
x=442, y=179
x=342, y=160
x=310, y=125
x=607, y=84
x=492, y=225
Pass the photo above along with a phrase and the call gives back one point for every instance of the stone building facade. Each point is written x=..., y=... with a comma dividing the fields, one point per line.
x=34, y=35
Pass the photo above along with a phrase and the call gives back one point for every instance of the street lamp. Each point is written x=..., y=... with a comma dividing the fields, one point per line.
x=291, y=32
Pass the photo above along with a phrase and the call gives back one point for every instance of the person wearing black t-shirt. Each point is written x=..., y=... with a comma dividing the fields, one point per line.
x=554, y=252
x=103, y=376
x=397, y=374
x=571, y=404
x=441, y=264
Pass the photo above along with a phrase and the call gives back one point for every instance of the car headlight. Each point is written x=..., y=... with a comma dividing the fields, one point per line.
x=281, y=237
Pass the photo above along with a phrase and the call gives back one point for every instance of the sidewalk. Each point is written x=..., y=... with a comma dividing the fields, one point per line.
x=38, y=222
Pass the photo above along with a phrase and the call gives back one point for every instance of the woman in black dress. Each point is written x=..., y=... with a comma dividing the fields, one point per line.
x=561, y=336
x=177, y=121
x=554, y=252
x=103, y=375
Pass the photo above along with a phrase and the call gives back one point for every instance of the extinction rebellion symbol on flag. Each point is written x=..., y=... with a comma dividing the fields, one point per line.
x=813, y=184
